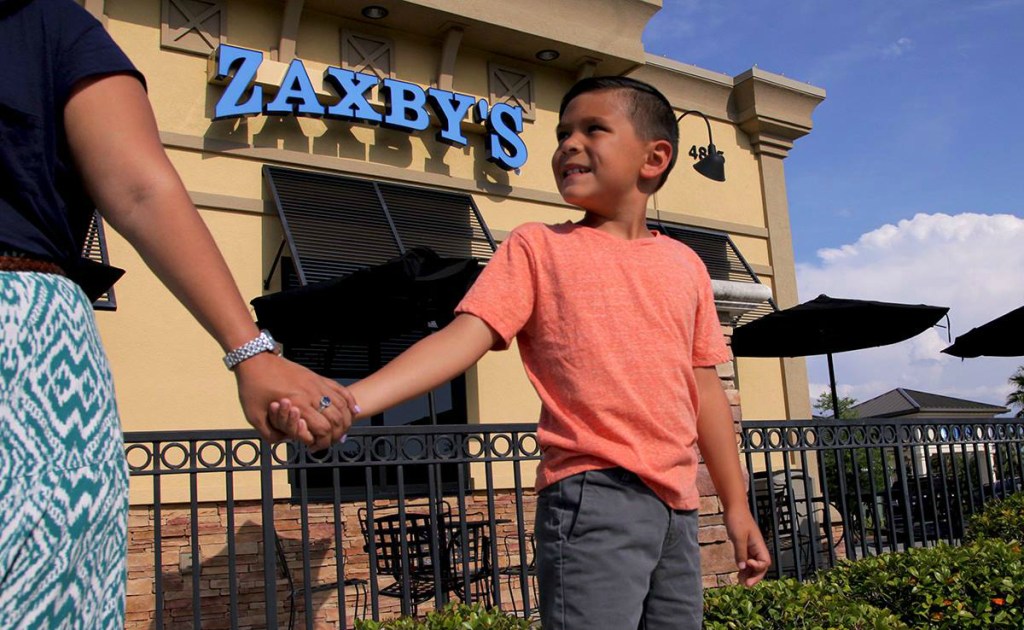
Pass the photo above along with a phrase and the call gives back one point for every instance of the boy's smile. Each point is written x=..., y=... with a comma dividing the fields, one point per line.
x=599, y=156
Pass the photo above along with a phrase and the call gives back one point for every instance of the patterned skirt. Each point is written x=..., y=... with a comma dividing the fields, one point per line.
x=63, y=476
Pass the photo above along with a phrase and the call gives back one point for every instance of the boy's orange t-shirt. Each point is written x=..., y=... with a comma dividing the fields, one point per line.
x=609, y=331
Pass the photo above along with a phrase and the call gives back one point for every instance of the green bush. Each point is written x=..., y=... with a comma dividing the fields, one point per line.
x=788, y=604
x=1001, y=520
x=454, y=616
x=980, y=585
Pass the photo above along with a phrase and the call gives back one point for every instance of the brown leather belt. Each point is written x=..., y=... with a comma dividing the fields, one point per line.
x=23, y=263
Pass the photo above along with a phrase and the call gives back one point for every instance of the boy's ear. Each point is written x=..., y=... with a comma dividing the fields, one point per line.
x=659, y=156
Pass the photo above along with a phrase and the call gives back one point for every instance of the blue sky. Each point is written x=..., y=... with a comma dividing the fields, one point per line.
x=909, y=187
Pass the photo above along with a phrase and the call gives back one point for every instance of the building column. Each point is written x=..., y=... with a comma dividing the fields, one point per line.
x=774, y=112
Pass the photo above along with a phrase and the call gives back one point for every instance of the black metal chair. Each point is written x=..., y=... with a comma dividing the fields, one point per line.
x=776, y=522
x=428, y=551
x=407, y=549
x=515, y=569
x=469, y=559
x=802, y=534
x=357, y=584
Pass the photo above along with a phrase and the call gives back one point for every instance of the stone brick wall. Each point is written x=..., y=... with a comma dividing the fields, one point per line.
x=717, y=561
x=214, y=581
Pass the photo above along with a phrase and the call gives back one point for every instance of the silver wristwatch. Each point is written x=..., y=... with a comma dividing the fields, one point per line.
x=263, y=343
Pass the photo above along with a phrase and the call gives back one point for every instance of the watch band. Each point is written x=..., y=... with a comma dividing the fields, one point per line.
x=263, y=343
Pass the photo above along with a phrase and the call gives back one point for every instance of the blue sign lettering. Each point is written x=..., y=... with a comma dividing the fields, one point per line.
x=504, y=146
x=406, y=99
x=407, y=105
x=451, y=108
x=245, y=64
x=353, y=87
x=296, y=94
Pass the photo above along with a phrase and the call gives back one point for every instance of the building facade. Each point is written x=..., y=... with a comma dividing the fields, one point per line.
x=487, y=50
x=317, y=137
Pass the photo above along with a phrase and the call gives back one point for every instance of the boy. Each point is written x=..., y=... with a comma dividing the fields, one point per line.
x=618, y=333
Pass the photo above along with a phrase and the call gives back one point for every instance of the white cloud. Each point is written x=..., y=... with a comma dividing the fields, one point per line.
x=972, y=263
x=830, y=65
x=898, y=48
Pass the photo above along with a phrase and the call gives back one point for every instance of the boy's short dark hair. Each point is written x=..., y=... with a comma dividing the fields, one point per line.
x=650, y=111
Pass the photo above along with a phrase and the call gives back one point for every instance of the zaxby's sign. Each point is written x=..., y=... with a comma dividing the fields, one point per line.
x=407, y=106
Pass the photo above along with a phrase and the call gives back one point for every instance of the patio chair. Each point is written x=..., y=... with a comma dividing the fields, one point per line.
x=406, y=550
x=357, y=584
x=514, y=569
x=469, y=559
x=801, y=534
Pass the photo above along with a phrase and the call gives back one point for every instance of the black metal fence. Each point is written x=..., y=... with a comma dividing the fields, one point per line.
x=824, y=490
x=401, y=518
x=393, y=518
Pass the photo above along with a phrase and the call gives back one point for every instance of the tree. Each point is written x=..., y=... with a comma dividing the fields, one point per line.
x=846, y=404
x=863, y=471
x=1016, y=397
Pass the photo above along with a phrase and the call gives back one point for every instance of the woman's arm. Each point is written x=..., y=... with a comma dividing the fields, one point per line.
x=116, y=145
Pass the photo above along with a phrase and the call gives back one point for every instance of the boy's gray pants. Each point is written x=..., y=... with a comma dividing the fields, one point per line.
x=612, y=556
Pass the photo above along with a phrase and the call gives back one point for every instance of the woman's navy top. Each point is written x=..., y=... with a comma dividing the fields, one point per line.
x=46, y=47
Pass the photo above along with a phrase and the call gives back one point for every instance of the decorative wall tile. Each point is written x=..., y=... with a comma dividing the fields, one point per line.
x=512, y=86
x=194, y=26
x=368, y=53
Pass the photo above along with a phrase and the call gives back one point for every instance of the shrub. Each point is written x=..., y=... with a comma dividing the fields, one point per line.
x=787, y=605
x=980, y=585
x=454, y=616
x=1001, y=520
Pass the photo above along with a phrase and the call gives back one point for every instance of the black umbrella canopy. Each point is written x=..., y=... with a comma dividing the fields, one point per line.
x=1001, y=337
x=826, y=325
x=414, y=291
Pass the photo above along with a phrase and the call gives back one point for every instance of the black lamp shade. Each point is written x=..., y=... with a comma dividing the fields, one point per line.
x=712, y=166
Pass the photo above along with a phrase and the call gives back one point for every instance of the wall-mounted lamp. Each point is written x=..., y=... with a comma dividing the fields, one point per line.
x=375, y=12
x=547, y=54
x=711, y=162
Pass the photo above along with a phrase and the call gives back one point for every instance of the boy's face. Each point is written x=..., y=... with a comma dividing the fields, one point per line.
x=599, y=158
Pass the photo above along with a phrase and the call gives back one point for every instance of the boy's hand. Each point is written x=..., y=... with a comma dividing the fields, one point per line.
x=751, y=553
x=287, y=418
x=266, y=378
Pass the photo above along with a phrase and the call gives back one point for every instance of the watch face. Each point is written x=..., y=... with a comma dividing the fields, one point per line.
x=272, y=344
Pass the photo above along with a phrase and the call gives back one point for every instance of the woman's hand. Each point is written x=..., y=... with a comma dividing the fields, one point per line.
x=265, y=379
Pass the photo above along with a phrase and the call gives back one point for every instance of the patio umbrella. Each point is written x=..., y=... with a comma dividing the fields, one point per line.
x=826, y=325
x=1001, y=337
x=416, y=290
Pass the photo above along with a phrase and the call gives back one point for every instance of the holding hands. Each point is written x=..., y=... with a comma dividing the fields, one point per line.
x=283, y=400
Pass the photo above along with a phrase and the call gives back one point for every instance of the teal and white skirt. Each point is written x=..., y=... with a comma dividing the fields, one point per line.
x=63, y=476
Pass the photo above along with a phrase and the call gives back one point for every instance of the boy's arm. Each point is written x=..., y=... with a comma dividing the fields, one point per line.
x=430, y=362
x=717, y=443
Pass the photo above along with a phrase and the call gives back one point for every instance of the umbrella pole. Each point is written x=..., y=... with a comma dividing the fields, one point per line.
x=832, y=383
x=432, y=408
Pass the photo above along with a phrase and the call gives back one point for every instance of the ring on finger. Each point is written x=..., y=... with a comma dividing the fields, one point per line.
x=325, y=402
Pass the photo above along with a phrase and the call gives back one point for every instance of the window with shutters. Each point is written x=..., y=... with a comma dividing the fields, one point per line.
x=334, y=225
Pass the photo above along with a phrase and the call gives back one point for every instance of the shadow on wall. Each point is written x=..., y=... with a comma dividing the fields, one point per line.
x=215, y=575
